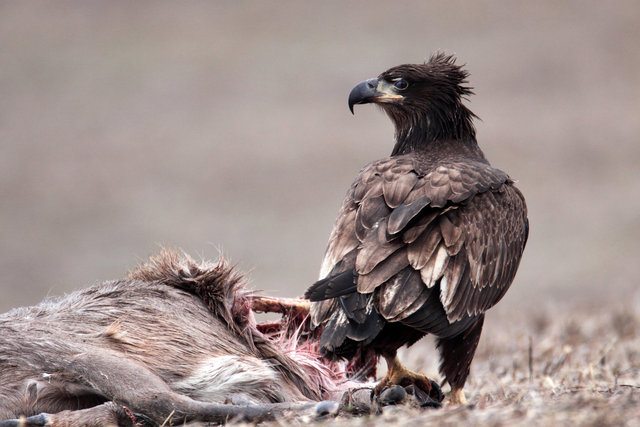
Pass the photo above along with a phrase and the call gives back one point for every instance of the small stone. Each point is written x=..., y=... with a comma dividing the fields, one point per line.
x=327, y=407
x=392, y=395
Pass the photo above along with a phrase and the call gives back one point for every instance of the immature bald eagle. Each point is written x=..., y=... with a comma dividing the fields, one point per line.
x=427, y=239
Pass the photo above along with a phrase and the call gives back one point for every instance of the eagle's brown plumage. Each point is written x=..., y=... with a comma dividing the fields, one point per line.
x=427, y=239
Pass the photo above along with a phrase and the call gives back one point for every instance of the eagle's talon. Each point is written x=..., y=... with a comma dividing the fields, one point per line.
x=381, y=387
x=436, y=392
x=430, y=403
x=429, y=399
x=425, y=390
x=425, y=398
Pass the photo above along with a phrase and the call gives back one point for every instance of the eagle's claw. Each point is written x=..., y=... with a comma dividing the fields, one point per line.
x=431, y=399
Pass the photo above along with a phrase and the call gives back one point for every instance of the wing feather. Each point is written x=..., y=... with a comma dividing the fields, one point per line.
x=451, y=278
x=451, y=233
x=372, y=209
x=402, y=215
x=383, y=271
x=342, y=240
x=421, y=251
x=321, y=310
x=375, y=248
x=335, y=331
x=410, y=234
x=495, y=231
x=396, y=188
x=417, y=304
x=401, y=296
x=434, y=268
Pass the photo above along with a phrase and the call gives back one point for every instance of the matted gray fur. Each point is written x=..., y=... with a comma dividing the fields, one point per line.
x=174, y=338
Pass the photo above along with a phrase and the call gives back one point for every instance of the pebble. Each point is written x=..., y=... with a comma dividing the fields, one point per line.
x=392, y=395
x=327, y=407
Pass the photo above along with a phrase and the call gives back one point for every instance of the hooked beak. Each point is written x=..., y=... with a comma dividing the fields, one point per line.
x=372, y=91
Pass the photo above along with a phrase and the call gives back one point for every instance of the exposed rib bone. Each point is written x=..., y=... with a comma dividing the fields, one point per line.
x=280, y=305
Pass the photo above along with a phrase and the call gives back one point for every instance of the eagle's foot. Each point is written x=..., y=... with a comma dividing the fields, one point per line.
x=423, y=388
x=457, y=397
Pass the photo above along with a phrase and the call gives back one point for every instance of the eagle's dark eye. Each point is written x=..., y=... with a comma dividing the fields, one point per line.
x=401, y=84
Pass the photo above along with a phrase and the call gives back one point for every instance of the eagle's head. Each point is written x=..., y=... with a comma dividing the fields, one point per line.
x=424, y=101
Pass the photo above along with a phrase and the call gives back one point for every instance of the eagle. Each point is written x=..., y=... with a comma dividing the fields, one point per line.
x=427, y=239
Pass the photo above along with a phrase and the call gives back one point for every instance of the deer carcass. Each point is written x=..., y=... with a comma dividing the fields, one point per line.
x=174, y=340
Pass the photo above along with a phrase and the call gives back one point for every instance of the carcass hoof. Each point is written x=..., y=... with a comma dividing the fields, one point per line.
x=142, y=420
x=33, y=421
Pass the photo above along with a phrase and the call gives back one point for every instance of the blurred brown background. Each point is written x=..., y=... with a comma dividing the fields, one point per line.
x=127, y=126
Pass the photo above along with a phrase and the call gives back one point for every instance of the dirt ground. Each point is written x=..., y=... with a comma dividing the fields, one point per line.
x=535, y=367
x=584, y=370
x=126, y=126
x=548, y=367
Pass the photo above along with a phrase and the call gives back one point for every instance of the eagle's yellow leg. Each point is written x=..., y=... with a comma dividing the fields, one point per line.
x=457, y=397
x=397, y=374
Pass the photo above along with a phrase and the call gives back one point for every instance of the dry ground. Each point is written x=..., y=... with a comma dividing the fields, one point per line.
x=537, y=367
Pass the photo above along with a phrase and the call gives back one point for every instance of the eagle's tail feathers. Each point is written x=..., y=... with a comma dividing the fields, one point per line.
x=332, y=287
